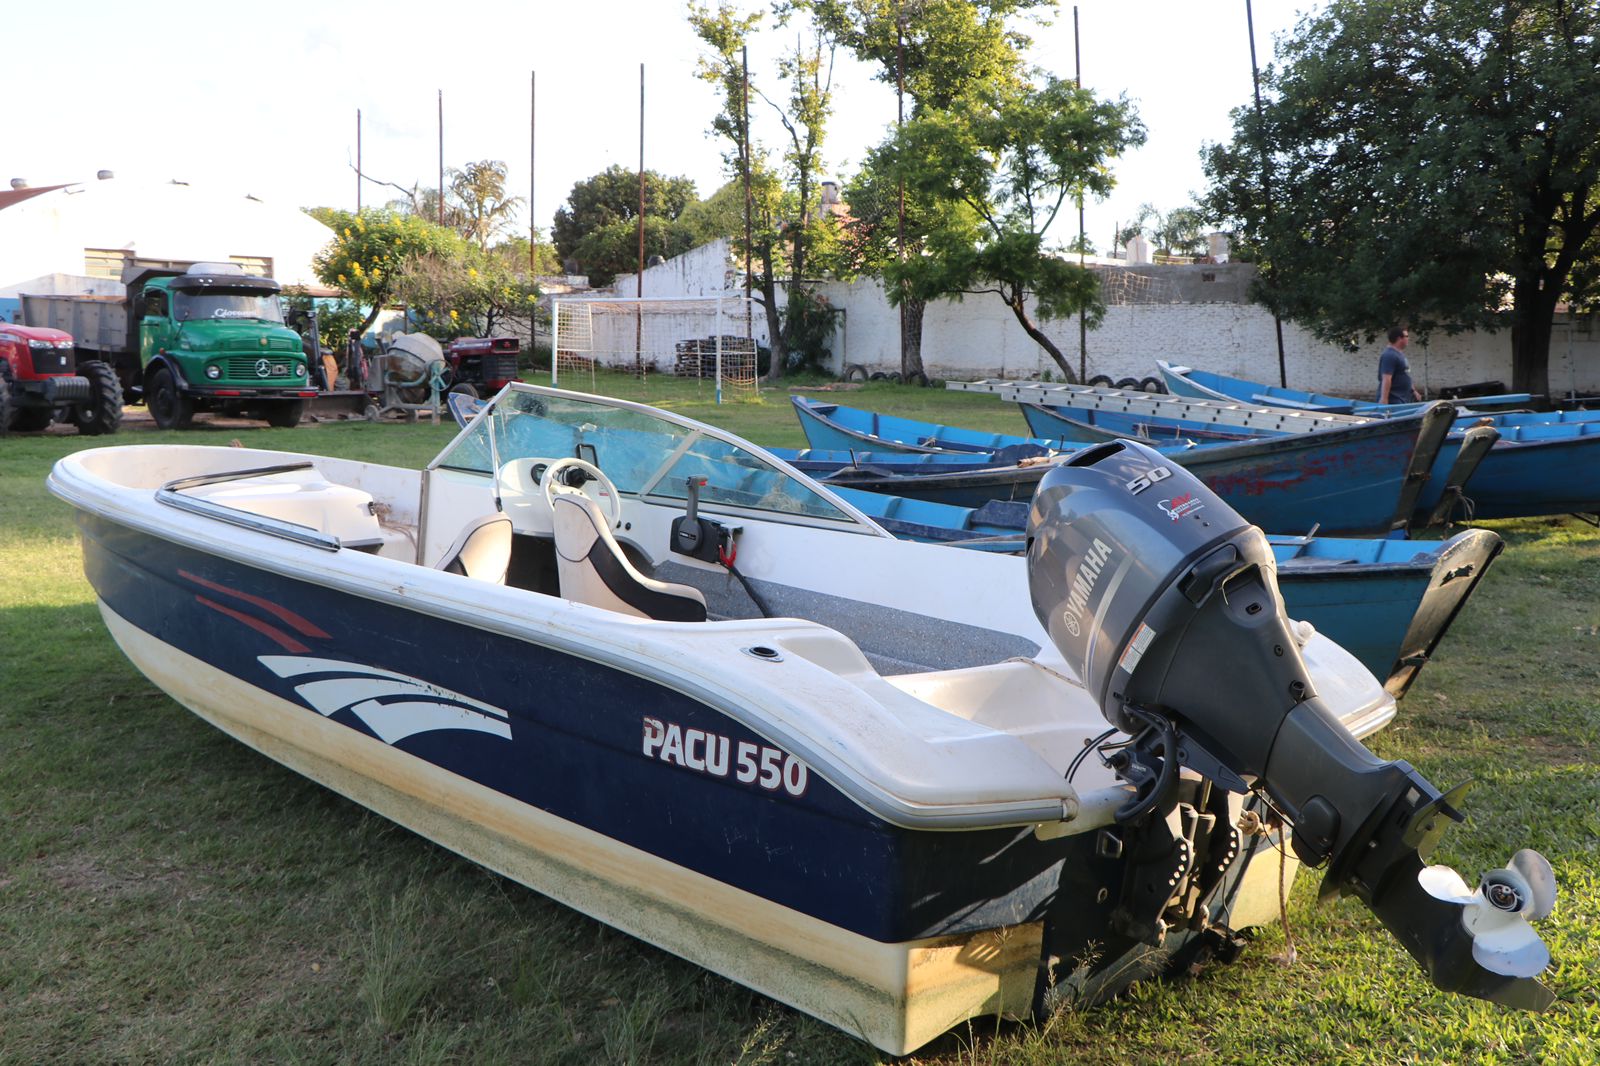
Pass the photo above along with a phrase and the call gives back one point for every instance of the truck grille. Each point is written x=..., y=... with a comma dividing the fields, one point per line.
x=253, y=344
x=258, y=368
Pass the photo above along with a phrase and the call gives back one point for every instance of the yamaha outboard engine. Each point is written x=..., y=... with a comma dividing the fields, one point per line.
x=1166, y=603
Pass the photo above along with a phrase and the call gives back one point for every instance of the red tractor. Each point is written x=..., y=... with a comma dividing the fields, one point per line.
x=481, y=366
x=39, y=383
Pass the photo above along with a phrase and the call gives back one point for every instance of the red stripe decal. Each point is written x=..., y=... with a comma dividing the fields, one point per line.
x=284, y=640
x=283, y=614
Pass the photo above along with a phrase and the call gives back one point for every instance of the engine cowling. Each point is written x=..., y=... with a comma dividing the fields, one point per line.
x=1165, y=601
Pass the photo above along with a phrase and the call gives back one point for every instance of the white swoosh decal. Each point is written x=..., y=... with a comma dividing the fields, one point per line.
x=413, y=705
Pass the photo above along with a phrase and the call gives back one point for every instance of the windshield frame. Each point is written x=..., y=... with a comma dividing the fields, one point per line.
x=694, y=432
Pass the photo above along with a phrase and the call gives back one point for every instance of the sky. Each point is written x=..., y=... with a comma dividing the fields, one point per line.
x=262, y=99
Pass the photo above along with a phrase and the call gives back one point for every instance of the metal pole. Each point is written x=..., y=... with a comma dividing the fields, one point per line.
x=533, y=228
x=1266, y=176
x=440, y=197
x=719, y=347
x=638, y=284
x=1083, y=324
x=358, y=160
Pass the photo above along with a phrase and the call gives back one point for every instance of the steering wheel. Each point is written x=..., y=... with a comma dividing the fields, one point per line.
x=554, y=483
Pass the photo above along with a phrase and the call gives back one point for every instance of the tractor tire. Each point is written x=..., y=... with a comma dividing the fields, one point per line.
x=5, y=403
x=284, y=414
x=170, y=408
x=463, y=388
x=102, y=412
x=31, y=419
x=1100, y=381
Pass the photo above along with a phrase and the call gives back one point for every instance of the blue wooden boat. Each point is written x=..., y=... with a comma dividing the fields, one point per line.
x=1443, y=496
x=1203, y=384
x=1387, y=602
x=1540, y=463
x=1363, y=480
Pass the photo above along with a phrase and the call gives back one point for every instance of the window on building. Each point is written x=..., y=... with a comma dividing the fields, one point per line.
x=260, y=265
x=105, y=262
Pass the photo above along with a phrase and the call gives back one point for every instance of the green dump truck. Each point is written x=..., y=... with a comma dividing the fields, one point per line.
x=185, y=338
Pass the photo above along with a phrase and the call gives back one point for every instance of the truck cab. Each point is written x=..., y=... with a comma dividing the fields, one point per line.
x=213, y=338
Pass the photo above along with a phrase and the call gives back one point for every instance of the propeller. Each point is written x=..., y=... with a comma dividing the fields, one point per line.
x=1496, y=913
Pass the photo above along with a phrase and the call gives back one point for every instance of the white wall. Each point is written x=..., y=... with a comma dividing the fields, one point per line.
x=979, y=337
x=47, y=234
x=1216, y=329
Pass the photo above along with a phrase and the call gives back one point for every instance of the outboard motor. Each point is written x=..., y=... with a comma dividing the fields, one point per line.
x=1166, y=603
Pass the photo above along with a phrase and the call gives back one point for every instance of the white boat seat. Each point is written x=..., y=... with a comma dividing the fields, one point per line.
x=594, y=571
x=481, y=550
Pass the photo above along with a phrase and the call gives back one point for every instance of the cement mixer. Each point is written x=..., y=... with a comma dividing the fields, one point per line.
x=410, y=375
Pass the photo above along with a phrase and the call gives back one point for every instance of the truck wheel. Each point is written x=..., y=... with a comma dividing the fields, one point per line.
x=285, y=415
x=170, y=408
x=102, y=411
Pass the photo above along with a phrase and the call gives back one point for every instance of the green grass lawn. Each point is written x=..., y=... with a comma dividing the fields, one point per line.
x=167, y=895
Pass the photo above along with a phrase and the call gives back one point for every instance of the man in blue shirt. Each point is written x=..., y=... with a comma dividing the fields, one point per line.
x=1394, y=373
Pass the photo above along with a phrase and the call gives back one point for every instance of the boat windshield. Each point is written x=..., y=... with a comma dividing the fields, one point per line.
x=642, y=453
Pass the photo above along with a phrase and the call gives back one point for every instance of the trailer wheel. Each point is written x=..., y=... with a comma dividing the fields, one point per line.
x=284, y=415
x=170, y=408
x=102, y=411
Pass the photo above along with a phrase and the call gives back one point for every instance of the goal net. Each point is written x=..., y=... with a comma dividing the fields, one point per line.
x=1120, y=287
x=711, y=340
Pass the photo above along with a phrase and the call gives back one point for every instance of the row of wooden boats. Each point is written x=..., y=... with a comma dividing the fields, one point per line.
x=1294, y=463
x=667, y=677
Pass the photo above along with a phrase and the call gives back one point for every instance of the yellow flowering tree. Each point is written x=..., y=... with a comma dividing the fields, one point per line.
x=372, y=249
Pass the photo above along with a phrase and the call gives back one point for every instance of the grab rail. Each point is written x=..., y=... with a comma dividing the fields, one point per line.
x=171, y=495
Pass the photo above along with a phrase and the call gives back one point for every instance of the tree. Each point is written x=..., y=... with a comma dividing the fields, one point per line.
x=369, y=249
x=465, y=290
x=786, y=223
x=1179, y=232
x=609, y=198
x=1430, y=164
x=485, y=211
x=937, y=51
x=1012, y=158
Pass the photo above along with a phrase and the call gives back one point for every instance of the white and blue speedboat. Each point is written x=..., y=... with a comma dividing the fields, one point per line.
x=646, y=668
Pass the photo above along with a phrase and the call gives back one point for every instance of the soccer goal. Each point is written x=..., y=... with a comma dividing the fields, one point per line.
x=713, y=340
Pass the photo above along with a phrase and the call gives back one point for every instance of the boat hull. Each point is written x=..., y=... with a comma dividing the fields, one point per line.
x=1338, y=480
x=535, y=762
